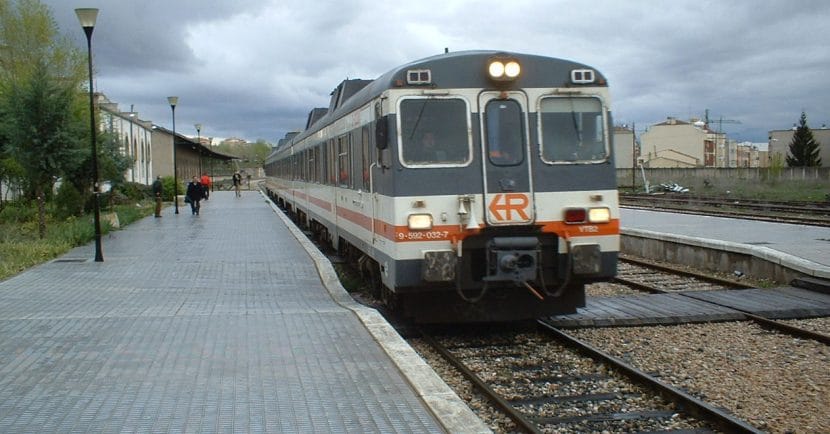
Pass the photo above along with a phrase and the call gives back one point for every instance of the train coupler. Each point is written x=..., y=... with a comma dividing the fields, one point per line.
x=513, y=259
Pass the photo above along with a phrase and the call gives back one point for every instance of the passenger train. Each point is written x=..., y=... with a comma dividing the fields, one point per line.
x=470, y=186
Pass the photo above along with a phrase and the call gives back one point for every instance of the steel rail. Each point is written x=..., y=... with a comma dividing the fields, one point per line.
x=682, y=399
x=515, y=415
x=761, y=320
x=688, y=273
x=712, y=207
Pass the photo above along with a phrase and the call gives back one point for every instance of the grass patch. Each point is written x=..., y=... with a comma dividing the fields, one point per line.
x=21, y=248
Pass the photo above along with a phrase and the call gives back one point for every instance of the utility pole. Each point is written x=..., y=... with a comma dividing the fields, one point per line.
x=633, y=157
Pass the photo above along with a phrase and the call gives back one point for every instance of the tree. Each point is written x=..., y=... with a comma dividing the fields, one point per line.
x=41, y=106
x=804, y=150
x=43, y=137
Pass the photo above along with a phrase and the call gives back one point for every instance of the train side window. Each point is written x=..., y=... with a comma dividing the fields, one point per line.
x=355, y=158
x=572, y=129
x=366, y=156
x=318, y=163
x=434, y=131
x=344, y=161
x=331, y=162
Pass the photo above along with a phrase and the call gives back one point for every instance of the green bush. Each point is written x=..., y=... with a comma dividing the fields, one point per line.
x=72, y=232
x=67, y=202
x=133, y=191
x=18, y=212
x=167, y=181
x=130, y=213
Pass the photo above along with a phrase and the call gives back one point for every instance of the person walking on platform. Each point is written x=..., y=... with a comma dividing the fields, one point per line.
x=206, y=184
x=194, y=194
x=237, y=183
x=158, y=190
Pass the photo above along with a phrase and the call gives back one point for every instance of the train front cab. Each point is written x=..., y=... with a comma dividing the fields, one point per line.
x=526, y=195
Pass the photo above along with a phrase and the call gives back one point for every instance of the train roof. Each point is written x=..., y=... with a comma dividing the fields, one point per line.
x=461, y=69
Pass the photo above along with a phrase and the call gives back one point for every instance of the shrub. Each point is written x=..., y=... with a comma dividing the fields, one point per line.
x=133, y=192
x=167, y=181
x=68, y=201
x=18, y=212
x=74, y=232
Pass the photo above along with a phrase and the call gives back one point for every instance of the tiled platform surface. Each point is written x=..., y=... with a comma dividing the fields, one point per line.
x=213, y=323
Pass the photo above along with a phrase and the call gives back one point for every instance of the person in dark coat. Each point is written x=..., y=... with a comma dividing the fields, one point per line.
x=158, y=190
x=237, y=183
x=195, y=193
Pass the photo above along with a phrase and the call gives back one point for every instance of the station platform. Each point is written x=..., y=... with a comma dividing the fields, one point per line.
x=227, y=321
x=779, y=252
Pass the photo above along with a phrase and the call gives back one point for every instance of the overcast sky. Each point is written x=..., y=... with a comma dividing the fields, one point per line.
x=254, y=68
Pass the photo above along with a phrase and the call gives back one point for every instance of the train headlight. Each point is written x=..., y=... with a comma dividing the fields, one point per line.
x=599, y=215
x=512, y=69
x=419, y=222
x=496, y=69
x=503, y=69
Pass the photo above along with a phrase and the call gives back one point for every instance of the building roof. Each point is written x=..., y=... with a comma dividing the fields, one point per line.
x=203, y=149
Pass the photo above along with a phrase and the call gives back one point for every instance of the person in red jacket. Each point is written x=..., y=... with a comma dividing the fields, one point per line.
x=205, y=181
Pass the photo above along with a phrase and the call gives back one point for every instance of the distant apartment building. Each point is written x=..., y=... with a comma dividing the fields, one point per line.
x=749, y=154
x=779, y=144
x=676, y=143
x=625, y=147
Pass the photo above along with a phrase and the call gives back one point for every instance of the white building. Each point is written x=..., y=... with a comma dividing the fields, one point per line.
x=134, y=137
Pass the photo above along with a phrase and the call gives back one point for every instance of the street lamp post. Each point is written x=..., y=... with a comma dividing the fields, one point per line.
x=87, y=17
x=199, y=139
x=173, y=100
x=212, y=184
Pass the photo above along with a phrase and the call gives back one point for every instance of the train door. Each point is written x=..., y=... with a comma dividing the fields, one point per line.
x=508, y=187
x=366, y=197
x=344, y=179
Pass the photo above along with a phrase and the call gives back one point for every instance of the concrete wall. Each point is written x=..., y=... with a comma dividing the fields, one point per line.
x=723, y=257
x=695, y=177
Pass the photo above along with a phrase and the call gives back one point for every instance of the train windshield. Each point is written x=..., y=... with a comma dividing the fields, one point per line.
x=434, y=131
x=505, y=133
x=572, y=129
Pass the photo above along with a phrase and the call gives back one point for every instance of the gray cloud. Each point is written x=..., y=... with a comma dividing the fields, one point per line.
x=254, y=68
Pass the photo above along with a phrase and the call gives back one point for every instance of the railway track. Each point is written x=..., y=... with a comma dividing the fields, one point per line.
x=807, y=213
x=556, y=381
x=662, y=279
x=549, y=381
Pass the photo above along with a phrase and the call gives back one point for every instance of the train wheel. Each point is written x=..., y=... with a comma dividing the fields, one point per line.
x=389, y=298
x=375, y=281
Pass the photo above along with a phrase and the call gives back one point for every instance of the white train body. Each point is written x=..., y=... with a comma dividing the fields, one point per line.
x=466, y=197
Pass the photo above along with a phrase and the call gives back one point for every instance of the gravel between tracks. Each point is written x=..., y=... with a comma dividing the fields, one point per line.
x=776, y=382
x=480, y=405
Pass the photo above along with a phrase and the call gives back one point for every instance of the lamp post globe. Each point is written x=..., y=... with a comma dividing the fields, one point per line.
x=173, y=100
x=87, y=17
